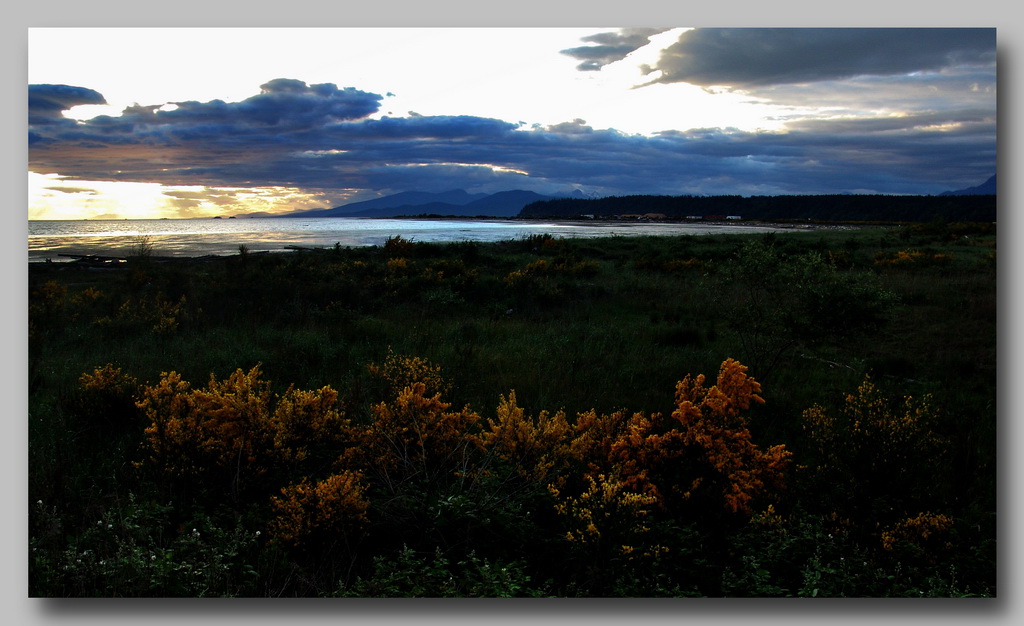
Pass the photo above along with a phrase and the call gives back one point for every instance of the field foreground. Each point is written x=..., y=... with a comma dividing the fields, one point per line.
x=785, y=414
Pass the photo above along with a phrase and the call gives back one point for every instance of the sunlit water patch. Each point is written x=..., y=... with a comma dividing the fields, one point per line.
x=201, y=237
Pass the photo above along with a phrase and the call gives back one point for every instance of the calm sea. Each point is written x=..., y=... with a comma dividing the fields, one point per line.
x=200, y=237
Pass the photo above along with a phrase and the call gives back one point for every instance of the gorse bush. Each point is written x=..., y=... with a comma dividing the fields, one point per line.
x=326, y=479
x=885, y=451
x=228, y=437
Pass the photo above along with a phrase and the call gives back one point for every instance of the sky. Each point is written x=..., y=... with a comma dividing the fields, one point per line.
x=195, y=122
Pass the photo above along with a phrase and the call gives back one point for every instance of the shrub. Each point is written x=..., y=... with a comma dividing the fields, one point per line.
x=239, y=427
x=416, y=437
x=312, y=515
x=880, y=457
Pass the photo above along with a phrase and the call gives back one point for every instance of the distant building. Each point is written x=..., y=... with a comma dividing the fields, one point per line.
x=733, y=217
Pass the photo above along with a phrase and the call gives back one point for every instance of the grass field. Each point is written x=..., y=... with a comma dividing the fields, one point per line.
x=303, y=460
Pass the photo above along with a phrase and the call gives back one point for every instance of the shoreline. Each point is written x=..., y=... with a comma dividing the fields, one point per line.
x=53, y=244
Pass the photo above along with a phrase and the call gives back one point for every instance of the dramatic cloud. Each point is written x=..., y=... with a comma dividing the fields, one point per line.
x=611, y=47
x=46, y=103
x=854, y=111
x=747, y=58
x=317, y=138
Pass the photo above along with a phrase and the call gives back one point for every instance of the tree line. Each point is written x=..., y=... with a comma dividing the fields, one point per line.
x=827, y=208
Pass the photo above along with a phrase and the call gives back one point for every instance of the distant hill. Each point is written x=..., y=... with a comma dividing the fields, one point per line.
x=984, y=189
x=456, y=202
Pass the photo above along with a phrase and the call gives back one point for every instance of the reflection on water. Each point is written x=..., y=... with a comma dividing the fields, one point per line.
x=200, y=237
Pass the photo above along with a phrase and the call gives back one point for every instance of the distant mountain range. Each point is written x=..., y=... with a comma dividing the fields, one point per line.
x=987, y=188
x=460, y=203
x=456, y=202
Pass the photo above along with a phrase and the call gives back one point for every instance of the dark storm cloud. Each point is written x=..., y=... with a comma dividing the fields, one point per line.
x=46, y=103
x=747, y=58
x=611, y=47
x=282, y=104
x=318, y=139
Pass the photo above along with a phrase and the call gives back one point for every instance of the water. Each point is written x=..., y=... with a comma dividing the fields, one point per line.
x=201, y=237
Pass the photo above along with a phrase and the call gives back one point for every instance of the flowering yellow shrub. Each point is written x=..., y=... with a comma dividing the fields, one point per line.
x=904, y=258
x=540, y=267
x=605, y=508
x=769, y=519
x=400, y=371
x=711, y=422
x=922, y=531
x=633, y=465
x=593, y=436
x=330, y=509
x=304, y=419
x=646, y=453
x=236, y=423
x=417, y=436
x=108, y=379
x=873, y=431
x=172, y=437
x=534, y=447
x=543, y=267
x=398, y=266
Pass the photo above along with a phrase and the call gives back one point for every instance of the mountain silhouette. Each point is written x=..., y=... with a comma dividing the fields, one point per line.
x=987, y=188
x=456, y=202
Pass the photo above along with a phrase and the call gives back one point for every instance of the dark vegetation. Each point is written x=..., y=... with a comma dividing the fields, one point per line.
x=822, y=208
x=525, y=418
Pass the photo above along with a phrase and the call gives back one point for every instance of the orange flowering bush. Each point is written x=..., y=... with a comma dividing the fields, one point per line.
x=544, y=268
x=105, y=400
x=880, y=459
x=606, y=512
x=399, y=371
x=712, y=423
x=306, y=420
x=108, y=379
x=236, y=424
x=417, y=436
x=648, y=453
x=535, y=447
x=329, y=510
x=633, y=467
x=923, y=532
x=876, y=440
x=911, y=258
